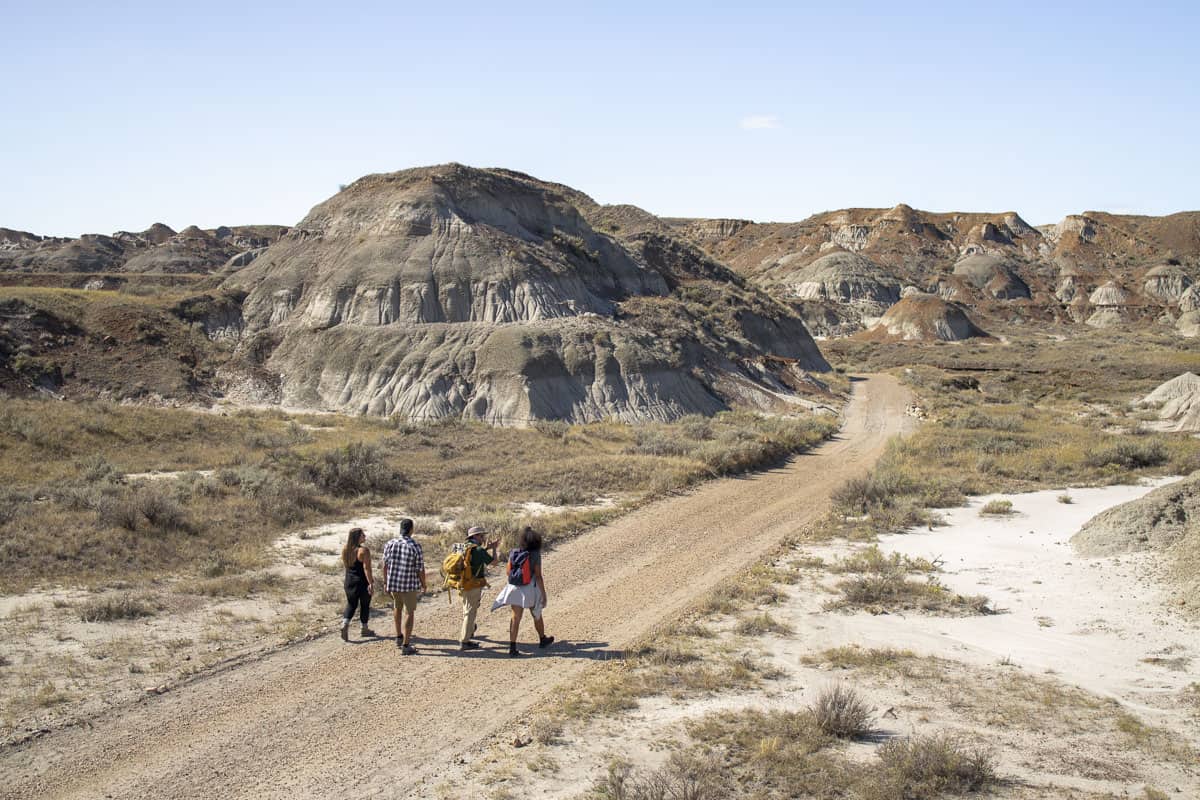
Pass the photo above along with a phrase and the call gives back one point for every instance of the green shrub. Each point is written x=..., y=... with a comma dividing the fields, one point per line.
x=1129, y=454
x=878, y=489
x=354, y=470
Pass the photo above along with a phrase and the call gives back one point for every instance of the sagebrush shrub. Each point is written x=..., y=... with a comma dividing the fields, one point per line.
x=841, y=711
x=353, y=470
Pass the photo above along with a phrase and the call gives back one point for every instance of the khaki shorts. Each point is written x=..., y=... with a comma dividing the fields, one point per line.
x=406, y=600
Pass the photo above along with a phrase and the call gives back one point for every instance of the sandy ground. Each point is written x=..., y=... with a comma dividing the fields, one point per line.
x=1092, y=621
x=1043, y=684
x=326, y=719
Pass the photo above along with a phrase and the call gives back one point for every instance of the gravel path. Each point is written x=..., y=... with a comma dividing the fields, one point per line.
x=330, y=720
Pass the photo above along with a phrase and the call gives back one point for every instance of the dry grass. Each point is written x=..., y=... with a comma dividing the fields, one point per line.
x=62, y=466
x=674, y=666
x=761, y=624
x=996, y=508
x=882, y=582
x=1159, y=742
x=855, y=657
x=758, y=586
x=996, y=439
x=755, y=754
x=120, y=607
x=928, y=767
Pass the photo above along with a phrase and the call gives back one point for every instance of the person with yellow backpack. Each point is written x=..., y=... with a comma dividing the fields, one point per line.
x=465, y=569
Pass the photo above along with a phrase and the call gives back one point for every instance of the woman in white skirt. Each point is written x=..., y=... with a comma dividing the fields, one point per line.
x=525, y=589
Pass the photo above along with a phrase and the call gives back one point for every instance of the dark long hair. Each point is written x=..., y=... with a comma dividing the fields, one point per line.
x=531, y=540
x=355, y=537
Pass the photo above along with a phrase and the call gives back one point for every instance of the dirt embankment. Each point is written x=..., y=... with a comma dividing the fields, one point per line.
x=327, y=719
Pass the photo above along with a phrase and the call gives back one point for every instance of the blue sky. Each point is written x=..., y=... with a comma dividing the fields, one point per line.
x=117, y=116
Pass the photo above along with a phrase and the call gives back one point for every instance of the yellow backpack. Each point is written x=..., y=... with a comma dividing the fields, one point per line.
x=456, y=570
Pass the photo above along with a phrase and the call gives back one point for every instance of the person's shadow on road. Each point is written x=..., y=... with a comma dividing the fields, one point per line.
x=490, y=648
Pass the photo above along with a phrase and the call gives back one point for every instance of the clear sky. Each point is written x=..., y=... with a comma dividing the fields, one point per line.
x=114, y=116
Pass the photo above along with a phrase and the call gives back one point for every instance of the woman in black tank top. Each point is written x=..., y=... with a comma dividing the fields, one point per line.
x=359, y=583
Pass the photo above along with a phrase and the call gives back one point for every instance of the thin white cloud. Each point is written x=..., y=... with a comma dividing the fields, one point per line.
x=760, y=122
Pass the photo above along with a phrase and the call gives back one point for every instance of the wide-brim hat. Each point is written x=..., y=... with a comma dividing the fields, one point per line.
x=475, y=532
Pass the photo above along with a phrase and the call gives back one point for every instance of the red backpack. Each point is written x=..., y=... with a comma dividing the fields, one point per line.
x=520, y=571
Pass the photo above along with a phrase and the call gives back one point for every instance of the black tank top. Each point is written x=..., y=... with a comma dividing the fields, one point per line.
x=356, y=572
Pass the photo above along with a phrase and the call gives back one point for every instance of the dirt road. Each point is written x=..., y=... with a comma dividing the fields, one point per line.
x=330, y=720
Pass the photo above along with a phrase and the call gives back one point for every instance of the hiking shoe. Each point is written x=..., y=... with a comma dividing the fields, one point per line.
x=513, y=652
x=399, y=642
x=368, y=633
x=468, y=645
x=545, y=641
x=408, y=650
x=345, y=633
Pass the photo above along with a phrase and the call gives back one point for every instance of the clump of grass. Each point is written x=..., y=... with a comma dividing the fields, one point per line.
x=110, y=609
x=756, y=587
x=872, y=560
x=761, y=624
x=545, y=729
x=841, y=712
x=242, y=585
x=894, y=591
x=1065, y=498
x=882, y=581
x=855, y=657
x=667, y=666
x=927, y=767
x=687, y=776
x=48, y=694
x=996, y=508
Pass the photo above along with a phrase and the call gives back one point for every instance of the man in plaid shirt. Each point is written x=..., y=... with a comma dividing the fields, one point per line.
x=404, y=580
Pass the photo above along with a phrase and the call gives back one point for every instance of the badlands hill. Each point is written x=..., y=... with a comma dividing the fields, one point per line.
x=925, y=318
x=158, y=249
x=1166, y=520
x=452, y=291
x=1095, y=268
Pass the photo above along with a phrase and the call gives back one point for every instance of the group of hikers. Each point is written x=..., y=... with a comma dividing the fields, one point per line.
x=465, y=571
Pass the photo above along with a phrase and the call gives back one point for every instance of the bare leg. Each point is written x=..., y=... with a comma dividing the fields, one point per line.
x=408, y=626
x=396, y=618
x=514, y=625
x=541, y=627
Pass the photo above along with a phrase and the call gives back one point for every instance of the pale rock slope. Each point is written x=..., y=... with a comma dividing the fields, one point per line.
x=1178, y=403
x=1167, y=520
x=488, y=294
x=924, y=317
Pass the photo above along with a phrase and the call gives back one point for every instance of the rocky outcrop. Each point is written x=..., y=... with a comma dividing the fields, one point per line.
x=158, y=249
x=924, y=318
x=1153, y=522
x=451, y=291
x=1109, y=302
x=1167, y=282
x=1188, y=324
x=991, y=276
x=1189, y=299
x=1177, y=402
x=844, y=278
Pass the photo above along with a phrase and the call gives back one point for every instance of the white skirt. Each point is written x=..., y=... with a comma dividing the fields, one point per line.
x=528, y=596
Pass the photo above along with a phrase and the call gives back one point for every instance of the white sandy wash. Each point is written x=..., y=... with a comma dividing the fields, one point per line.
x=1092, y=621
